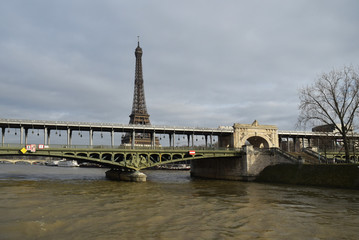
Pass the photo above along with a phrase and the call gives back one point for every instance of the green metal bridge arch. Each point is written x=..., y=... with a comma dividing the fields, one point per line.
x=135, y=159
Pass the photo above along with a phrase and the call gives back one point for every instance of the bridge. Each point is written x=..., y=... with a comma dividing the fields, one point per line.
x=223, y=136
x=22, y=129
x=225, y=147
x=120, y=157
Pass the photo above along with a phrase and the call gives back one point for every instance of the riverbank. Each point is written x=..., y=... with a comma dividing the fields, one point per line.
x=330, y=175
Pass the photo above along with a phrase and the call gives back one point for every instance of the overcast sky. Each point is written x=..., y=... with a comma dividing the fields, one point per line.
x=205, y=63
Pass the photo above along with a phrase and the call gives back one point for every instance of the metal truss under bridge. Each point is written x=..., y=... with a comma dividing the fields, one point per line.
x=122, y=158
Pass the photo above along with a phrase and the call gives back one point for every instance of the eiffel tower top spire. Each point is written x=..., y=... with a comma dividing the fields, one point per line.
x=139, y=113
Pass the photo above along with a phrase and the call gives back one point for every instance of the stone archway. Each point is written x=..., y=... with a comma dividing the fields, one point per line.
x=258, y=142
x=265, y=136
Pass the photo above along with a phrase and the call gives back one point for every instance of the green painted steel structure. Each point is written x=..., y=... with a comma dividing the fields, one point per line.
x=135, y=159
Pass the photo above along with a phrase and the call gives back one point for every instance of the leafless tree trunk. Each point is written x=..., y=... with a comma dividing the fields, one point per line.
x=332, y=99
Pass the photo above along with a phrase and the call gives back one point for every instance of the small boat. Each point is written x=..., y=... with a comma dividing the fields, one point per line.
x=68, y=163
x=90, y=165
x=175, y=167
x=52, y=163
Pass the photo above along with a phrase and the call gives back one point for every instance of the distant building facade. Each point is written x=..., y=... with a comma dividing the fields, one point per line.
x=332, y=128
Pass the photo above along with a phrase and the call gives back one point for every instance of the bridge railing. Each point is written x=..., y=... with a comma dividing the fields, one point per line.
x=315, y=154
x=285, y=154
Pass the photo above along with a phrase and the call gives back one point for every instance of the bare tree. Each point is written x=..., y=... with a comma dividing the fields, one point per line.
x=332, y=99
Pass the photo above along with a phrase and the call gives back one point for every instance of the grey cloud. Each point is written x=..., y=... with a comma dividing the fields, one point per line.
x=206, y=63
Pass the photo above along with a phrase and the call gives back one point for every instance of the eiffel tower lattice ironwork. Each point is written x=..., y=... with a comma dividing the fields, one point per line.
x=139, y=113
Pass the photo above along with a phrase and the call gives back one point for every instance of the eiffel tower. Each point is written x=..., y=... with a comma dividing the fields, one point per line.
x=139, y=113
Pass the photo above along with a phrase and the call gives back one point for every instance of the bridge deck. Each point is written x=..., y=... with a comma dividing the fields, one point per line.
x=129, y=128
x=109, y=127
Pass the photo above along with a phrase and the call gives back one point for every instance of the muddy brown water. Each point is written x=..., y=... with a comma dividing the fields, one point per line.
x=40, y=202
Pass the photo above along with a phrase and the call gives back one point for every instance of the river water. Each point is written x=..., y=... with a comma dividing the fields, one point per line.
x=40, y=202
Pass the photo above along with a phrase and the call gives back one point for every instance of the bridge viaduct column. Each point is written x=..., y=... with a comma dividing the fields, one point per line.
x=69, y=136
x=288, y=145
x=21, y=135
x=2, y=136
x=153, y=139
x=112, y=138
x=309, y=142
x=91, y=137
x=26, y=135
x=133, y=139
x=173, y=139
x=295, y=140
x=170, y=139
x=303, y=142
x=48, y=136
x=45, y=136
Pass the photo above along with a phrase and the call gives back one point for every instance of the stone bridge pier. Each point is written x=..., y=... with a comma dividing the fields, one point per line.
x=244, y=168
x=259, y=145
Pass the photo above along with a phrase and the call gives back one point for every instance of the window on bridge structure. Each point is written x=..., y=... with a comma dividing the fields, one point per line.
x=129, y=156
x=177, y=156
x=155, y=158
x=106, y=156
x=119, y=157
x=82, y=154
x=258, y=142
x=95, y=155
x=165, y=157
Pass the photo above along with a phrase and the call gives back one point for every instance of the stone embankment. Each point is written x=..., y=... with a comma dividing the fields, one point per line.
x=323, y=175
